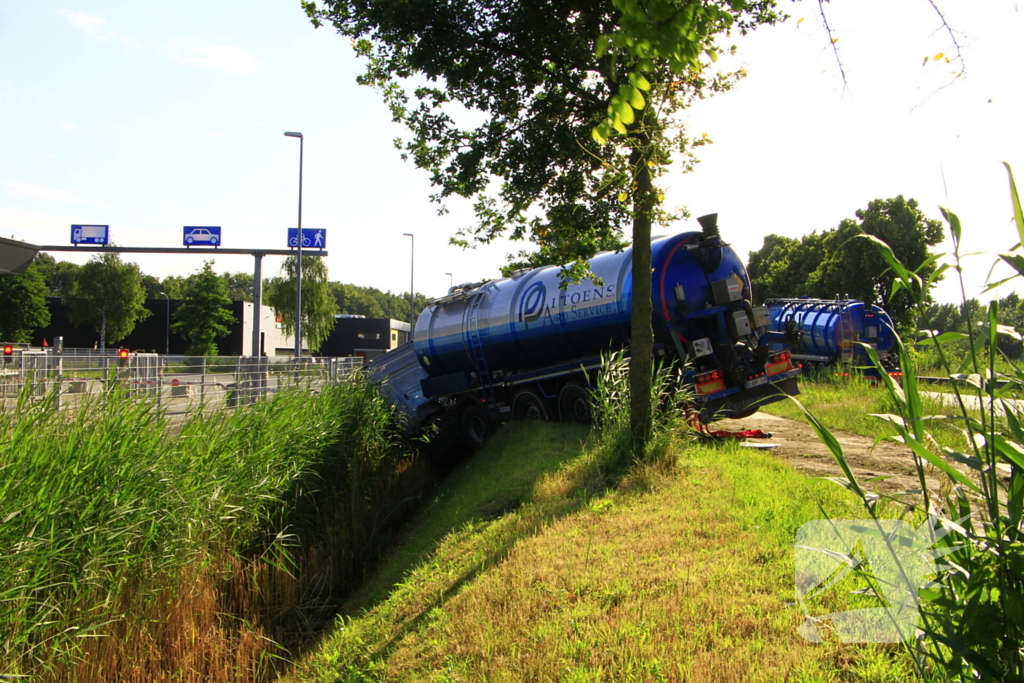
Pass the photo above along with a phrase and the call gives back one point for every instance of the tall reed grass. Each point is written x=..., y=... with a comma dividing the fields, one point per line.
x=131, y=551
x=971, y=624
x=610, y=400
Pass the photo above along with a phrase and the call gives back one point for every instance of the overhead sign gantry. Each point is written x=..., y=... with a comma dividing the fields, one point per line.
x=97, y=238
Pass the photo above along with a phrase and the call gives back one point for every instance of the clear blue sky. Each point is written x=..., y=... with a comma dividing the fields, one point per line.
x=152, y=116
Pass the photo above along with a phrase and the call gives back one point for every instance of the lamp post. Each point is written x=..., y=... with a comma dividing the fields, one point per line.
x=449, y=281
x=412, y=270
x=298, y=258
x=167, y=327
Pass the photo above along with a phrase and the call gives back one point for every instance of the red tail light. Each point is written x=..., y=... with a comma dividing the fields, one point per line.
x=779, y=363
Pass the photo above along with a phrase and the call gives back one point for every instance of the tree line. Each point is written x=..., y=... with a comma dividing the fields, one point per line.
x=839, y=263
x=108, y=294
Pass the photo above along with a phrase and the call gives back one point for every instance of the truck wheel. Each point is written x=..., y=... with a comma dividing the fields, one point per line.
x=529, y=406
x=476, y=427
x=574, y=404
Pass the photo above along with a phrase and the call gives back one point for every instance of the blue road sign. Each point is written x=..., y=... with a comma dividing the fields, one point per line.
x=90, y=234
x=312, y=238
x=199, y=235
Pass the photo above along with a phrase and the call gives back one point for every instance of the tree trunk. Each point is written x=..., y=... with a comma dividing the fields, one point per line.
x=103, y=331
x=641, y=359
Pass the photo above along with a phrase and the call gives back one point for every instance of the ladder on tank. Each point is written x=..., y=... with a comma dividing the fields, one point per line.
x=475, y=338
x=847, y=336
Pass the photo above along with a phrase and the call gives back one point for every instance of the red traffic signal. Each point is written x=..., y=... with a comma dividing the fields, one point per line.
x=123, y=353
x=8, y=350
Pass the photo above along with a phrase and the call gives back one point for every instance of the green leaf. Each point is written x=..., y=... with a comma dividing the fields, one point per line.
x=1016, y=262
x=836, y=449
x=638, y=81
x=936, y=460
x=1018, y=214
x=603, y=41
x=943, y=338
x=623, y=113
x=954, y=225
x=1010, y=450
x=712, y=55
x=636, y=99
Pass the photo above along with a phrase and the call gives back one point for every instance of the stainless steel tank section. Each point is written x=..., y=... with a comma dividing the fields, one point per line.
x=527, y=321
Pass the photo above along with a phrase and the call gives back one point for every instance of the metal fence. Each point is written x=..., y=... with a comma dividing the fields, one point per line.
x=178, y=384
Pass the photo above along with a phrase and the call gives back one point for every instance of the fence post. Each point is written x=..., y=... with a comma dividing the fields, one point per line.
x=58, y=369
x=202, y=384
x=160, y=382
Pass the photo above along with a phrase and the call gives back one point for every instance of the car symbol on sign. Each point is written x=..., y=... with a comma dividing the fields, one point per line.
x=202, y=236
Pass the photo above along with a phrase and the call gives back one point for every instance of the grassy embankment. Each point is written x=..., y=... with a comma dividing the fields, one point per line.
x=544, y=559
x=131, y=552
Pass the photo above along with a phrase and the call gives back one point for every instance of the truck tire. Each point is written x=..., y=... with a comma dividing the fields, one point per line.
x=529, y=406
x=574, y=404
x=475, y=426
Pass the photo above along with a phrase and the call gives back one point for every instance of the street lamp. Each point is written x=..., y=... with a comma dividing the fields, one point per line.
x=449, y=281
x=167, y=327
x=412, y=264
x=298, y=258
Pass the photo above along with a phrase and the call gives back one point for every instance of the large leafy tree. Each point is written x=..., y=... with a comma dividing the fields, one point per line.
x=239, y=286
x=23, y=304
x=838, y=264
x=108, y=295
x=173, y=286
x=59, y=275
x=578, y=101
x=152, y=286
x=202, y=318
x=782, y=266
x=318, y=304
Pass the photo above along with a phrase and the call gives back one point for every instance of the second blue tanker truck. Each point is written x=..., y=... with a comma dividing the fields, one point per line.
x=524, y=347
x=826, y=332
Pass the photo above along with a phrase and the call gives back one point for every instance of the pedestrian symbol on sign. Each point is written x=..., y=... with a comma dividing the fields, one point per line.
x=311, y=238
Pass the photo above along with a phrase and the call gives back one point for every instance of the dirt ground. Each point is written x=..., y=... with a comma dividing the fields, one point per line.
x=796, y=443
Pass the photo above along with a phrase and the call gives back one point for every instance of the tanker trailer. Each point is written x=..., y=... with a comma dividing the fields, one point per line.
x=524, y=347
x=823, y=332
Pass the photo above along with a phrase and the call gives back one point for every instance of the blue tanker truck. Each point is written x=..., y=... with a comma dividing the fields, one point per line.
x=823, y=332
x=524, y=347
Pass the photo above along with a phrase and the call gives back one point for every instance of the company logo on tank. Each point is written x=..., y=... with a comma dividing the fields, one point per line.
x=575, y=303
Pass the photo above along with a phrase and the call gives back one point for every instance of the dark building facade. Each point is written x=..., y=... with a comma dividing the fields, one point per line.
x=364, y=337
x=150, y=334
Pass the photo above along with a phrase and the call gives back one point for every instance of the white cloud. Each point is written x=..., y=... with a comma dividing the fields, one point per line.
x=228, y=58
x=22, y=189
x=233, y=60
x=218, y=134
x=89, y=23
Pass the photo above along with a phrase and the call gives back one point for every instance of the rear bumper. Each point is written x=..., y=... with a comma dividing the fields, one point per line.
x=745, y=402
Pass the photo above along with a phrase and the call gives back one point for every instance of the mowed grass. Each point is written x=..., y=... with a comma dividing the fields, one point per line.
x=850, y=403
x=582, y=570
